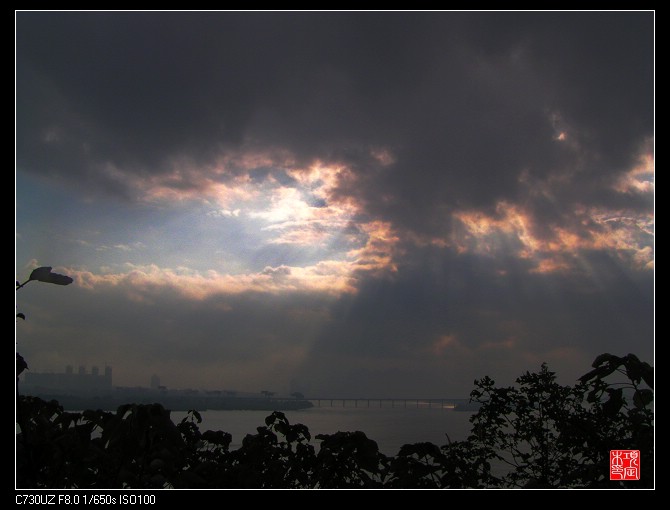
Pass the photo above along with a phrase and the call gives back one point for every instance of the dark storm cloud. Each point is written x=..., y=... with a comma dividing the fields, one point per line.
x=462, y=100
x=141, y=89
x=390, y=337
x=468, y=107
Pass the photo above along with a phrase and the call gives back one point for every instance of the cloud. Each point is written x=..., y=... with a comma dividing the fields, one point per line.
x=310, y=212
x=160, y=113
x=468, y=125
x=224, y=213
x=121, y=247
x=511, y=230
x=640, y=179
x=445, y=319
x=328, y=277
x=395, y=201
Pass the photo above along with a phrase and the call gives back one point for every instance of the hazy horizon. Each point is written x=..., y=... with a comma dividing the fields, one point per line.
x=373, y=204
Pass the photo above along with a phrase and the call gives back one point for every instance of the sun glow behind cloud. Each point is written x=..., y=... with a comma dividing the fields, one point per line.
x=306, y=213
x=277, y=206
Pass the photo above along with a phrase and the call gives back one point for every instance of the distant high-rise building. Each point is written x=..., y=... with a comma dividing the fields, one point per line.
x=69, y=382
x=155, y=382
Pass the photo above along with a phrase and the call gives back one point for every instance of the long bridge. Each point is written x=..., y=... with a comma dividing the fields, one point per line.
x=425, y=403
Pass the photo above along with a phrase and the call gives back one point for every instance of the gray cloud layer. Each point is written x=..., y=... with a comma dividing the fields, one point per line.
x=469, y=106
x=464, y=99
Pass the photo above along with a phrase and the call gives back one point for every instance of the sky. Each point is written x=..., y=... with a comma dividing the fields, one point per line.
x=343, y=204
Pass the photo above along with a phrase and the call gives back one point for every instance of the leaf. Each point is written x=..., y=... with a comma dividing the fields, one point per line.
x=601, y=358
x=218, y=438
x=596, y=373
x=302, y=429
x=282, y=428
x=592, y=396
x=196, y=415
x=20, y=316
x=642, y=398
x=419, y=449
x=632, y=357
x=614, y=403
x=648, y=374
x=599, y=373
x=44, y=274
x=21, y=364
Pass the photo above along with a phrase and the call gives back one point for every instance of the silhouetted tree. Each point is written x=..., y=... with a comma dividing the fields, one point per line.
x=560, y=436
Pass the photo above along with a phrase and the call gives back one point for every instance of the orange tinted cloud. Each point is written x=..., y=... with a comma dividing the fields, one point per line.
x=490, y=233
x=377, y=255
x=444, y=343
x=328, y=277
x=511, y=229
x=450, y=344
x=640, y=178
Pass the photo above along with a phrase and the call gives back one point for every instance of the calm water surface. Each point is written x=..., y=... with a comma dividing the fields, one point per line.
x=389, y=427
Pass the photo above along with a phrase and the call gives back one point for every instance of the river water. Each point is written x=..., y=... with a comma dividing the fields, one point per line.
x=389, y=427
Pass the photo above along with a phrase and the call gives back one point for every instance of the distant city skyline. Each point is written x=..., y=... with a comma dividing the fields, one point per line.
x=82, y=381
x=92, y=383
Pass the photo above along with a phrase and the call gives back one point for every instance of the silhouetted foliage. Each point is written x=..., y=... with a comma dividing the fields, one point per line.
x=41, y=274
x=349, y=460
x=46, y=275
x=536, y=434
x=560, y=436
x=25, y=444
x=21, y=364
